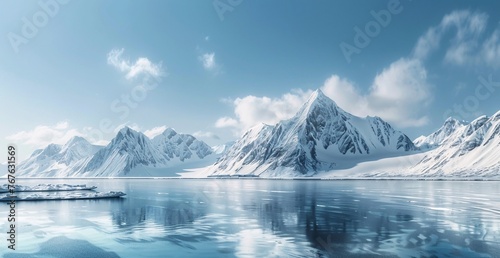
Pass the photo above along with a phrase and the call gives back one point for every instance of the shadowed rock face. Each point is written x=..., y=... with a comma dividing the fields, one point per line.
x=63, y=247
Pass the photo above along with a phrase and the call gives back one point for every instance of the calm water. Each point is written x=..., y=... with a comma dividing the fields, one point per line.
x=264, y=218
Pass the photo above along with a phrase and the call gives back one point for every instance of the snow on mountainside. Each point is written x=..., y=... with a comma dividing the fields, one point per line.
x=182, y=146
x=470, y=151
x=450, y=126
x=318, y=138
x=56, y=160
x=222, y=149
x=129, y=150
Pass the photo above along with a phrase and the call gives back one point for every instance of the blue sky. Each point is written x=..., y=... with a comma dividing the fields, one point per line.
x=215, y=68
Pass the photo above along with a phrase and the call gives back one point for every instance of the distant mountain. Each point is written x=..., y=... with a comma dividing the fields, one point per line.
x=435, y=139
x=470, y=150
x=181, y=146
x=56, y=160
x=319, y=136
x=223, y=148
x=128, y=150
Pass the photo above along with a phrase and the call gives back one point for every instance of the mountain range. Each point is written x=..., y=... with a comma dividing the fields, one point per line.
x=127, y=151
x=463, y=149
x=320, y=140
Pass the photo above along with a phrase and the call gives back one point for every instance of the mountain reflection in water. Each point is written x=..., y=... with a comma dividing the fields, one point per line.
x=276, y=218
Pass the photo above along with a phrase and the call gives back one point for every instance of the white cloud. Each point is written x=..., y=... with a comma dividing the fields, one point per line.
x=43, y=135
x=203, y=134
x=491, y=49
x=399, y=94
x=226, y=122
x=208, y=61
x=427, y=43
x=469, y=28
x=207, y=38
x=466, y=45
x=346, y=95
x=151, y=133
x=142, y=66
x=252, y=110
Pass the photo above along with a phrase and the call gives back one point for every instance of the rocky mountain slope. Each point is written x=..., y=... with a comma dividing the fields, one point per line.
x=316, y=139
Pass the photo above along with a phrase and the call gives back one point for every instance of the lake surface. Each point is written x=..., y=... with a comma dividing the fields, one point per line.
x=263, y=218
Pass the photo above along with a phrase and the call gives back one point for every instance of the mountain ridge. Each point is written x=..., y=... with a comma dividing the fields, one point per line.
x=127, y=150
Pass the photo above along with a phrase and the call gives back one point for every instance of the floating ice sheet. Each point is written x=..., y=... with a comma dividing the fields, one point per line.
x=46, y=188
x=63, y=196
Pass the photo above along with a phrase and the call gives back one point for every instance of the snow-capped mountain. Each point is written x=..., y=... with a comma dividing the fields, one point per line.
x=450, y=126
x=56, y=160
x=470, y=150
x=128, y=150
x=320, y=137
x=182, y=146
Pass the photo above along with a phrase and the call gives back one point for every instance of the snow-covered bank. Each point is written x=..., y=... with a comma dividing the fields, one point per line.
x=46, y=188
x=65, y=196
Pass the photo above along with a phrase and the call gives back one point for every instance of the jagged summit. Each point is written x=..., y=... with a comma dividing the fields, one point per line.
x=318, y=100
x=76, y=139
x=169, y=132
x=435, y=139
x=126, y=130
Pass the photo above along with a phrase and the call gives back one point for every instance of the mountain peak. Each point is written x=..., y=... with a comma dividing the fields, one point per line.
x=125, y=129
x=169, y=132
x=450, y=120
x=318, y=95
x=453, y=121
x=76, y=139
x=319, y=100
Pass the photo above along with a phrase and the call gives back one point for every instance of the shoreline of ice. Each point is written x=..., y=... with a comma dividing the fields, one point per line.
x=47, y=188
x=66, y=196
